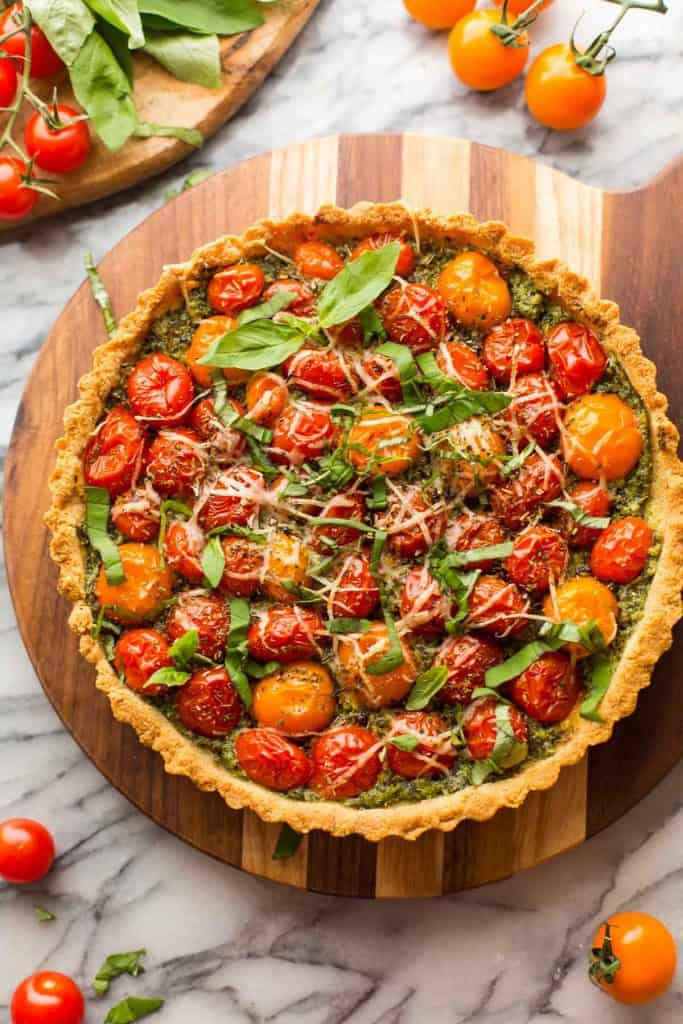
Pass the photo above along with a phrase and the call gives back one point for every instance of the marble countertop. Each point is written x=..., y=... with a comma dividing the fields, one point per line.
x=226, y=947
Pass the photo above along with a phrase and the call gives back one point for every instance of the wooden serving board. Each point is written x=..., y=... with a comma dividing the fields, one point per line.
x=627, y=243
x=246, y=59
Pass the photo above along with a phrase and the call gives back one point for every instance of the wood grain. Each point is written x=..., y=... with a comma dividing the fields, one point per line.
x=627, y=243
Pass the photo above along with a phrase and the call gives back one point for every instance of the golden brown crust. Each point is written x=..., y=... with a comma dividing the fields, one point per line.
x=650, y=638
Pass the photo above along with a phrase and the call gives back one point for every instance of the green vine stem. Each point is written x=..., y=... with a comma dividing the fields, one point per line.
x=590, y=59
x=604, y=965
x=508, y=34
x=6, y=138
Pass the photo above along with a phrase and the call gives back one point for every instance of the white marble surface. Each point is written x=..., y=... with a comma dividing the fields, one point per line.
x=224, y=947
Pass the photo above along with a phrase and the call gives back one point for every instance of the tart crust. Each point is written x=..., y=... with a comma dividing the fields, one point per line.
x=650, y=638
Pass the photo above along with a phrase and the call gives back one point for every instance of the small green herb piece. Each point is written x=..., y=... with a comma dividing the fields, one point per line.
x=116, y=965
x=406, y=741
x=100, y=294
x=236, y=651
x=256, y=346
x=131, y=1009
x=149, y=130
x=517, y=461
x=170, y=677
x=601, y=677
x=213, y=562
x=266, y=310
x=239, y=531
x=341, y=626
x=490, y=551
x=460, y=583
x=507, y=752
x=354, y=524
x=259, y=670
x=184, y=649
x=376, y=553
x=371, y=322
x=44, y=915
x=402, y=356
x=553, y=636
x=580, y=516
x=288, y=843
x=193, y=179
x=261, y=460
x=377, y=499
x=358, y=285
x=393, y=656
x=96, y=522
x=427, y=685
x=230, y=417
x=462, y=406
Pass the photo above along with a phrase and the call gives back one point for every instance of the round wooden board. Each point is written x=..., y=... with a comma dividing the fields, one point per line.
x=626, y=243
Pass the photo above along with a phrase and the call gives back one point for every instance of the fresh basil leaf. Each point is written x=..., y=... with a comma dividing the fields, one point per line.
x=213, y=562
x=261, y=460
x=266, y=310
x=342, y=626
x=193, y=179
x=434, y=375
x=256, y=346
x=376, y=553
x=460, y=583
x=257, y=670
x=462, y=406
x=239, y=531
x=116, y=965
x=101, y=87
x=489, y=551
x=517, y=461
x=402, y=356
x=208, y=16
x=124, y=16
x=170, y=677
x=406, y=741
x=354, y=524
x=580, y=516
x=148, y=130
x=230, y=417
x=519, y=662
x=118, y=44
x=100, y=294
x=236, y=651
x=358, y=285
x=601, y=677
x=288, y=843
x=131, y=1009
x=66, y=23
x=43, y=915
x=508, y=750
x=96, y=523
x=426, y=686
x=393, y=656
x=588, y=635
x=184, y=649
x=378, y=499
x=371, y=323
x=187, y=57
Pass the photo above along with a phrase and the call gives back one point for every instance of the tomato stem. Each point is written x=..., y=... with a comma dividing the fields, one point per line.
x=604, y=965
x=589, y=59
x=508, y=34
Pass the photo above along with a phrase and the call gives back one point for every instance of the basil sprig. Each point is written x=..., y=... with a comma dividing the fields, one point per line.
x=132, y=1008
x=288, y=843
x=358, y=285
x=427, y=685
x=96, y=524
x=259, y=345
x=236, y=650
x=116, y=965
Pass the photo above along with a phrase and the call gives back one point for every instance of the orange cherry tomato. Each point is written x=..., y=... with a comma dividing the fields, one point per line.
x=384, y=442
x=582, y=600
x=633, y=958
x=267, y=396
x=559, y=93
x=462, y=363
x=356, y=653
x=298, y=699
x=602, y=437
x=474, y=291
x=202, y=340
x=519, y=6
x=148, y=584
x=438, y=14
x=285, y=562
x=479, y=58
x=318, y=259
x=472, y=456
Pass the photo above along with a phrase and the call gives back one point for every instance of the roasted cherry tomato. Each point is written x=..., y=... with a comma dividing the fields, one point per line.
x=209, y=331
x=144, y=592
x=424, y=606
x=548, y=689
x=327, y=539
x=58, y=150
x=318, y=259
x=183, y=549
x=513, y=348
x=285, y=567
x=235, y=498
x=225, y=443
x=479, y=58
x=303, y=303
x=539, y=557
x=472, y=454
x=8, y=81
x=304, y=431
x=481, y=728
x=27, y=851
x=267, y=396
x=345, y=762
x=160, y=391
x=414, y=315
x=637, y=962
x=602, y=437
x=434, y=753
x=413, y=521
x=384, y=442
x=207, y=615
x=286, y=633
x=582, y=600
x=406, y=257
x=236, y=289
x=271, y=760
x=244, y=562
x=17, y=198
x=322, y=373
x=297, y=699
x=474, y=291
x=357, y=652
x=44, y=60
x=355, y=593
x=535, y=410
x=467, y=658
x=577, y=359
x=462, y=363
x=559, y=93
x=379, y=375
x=209, y=704
x=138, y=654
x=177, y=462
x=497, y=607
x=47, y=997
x=114, y=454
x=136, y=515
x=348, y=335
x=539, y=480
x=472, y=530
x=620, y=554
x=438, y=14
x=594, y=500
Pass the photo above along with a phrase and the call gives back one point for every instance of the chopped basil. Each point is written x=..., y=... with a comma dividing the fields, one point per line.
x=554, y=635
x=445, y=570
x=341, y=626
x=184, y=649
x=230, y=417
x=170, y=677
x=402, y=356
x=517, y=461
x=601, y=677
x=376, y=553
x=100, y=294
x=427, y=685
x=358, y=285
x=461, y=406
x=406, y=741
x=377, y=500
x=170, y=505
x=213, y=562
x=261, y=460
x=372, y=324
x=288, y=843
x=116, y=965
x=266, y=310
x=434, y=376
x=354, y=524
x=256, y=346
x=580, y=516
x=508, y=751
x=393, y=657
x=491, y=551
x=131, y=1009
x=43, y=915
x=236, y=651
x=150, y=130
x=96, y=523
x=589, y=635
x=258, y=670
x=238, y=531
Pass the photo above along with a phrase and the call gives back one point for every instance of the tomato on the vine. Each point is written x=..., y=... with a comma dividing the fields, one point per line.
x=17, y=198
x=480, y=57
x=44, y=60
x=27, y=850
x=8, y=81
x=559, y=93
x=438, y=14
x=633, y=958
x=60, y=149
x=47, y=997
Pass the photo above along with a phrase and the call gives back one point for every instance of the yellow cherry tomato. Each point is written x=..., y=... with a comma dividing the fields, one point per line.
x=384, y=442
x=479, y=58
x=203, y=338
x=474, y=291
x=633, y=958
x=559, y=93
x=581, y=600
x=356, y=653
x=471, y=456
x=602, y=437
x=147, y=586
x=438, y=14
x=286, y=561
x=297, y=699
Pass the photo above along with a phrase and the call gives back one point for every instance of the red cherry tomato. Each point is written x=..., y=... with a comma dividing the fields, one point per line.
x=176, y=462
x=548, y=689
x=348, y=335
x=355, y=593
x=160, y=391
x=467, y=658
x=286, y=633
x=27, y=851
x=539, y=480
x=513, y=348
x=342, y=506
x=344, y=762
x=58, y=150
x=8, y=82
x=535, y=410
x=472, y=530
x=208, y=616
x=303, y=303
x=462, y=363
x=235, y=498
x=433, y=755
x=44, y=60
x=271, y=760
x=17, y=199
x=209, y=703
x=236, y=289
x=243, y=571
x=577, y=359
x=138, y=654
x=183, y=549
x=539, y=557
x=303, y=432
x=47, y=997
x=114, y=454
x=497, y=607
x=322, y=373
x=136, y=515
x=620, y=553
x=379, y=375
x=318, y=259
x=414, y=315
x=424, y=606
x=225, y=443
x=406, y=257
x=592, y=499
x=414, y=521
x=481, y=728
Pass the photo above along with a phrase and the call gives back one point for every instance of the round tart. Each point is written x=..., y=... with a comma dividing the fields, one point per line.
x=371, y=521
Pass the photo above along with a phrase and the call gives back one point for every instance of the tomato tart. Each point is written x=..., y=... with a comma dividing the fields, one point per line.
x=372, y=521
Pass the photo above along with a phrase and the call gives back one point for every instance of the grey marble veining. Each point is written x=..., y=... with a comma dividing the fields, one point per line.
x=226, y=947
